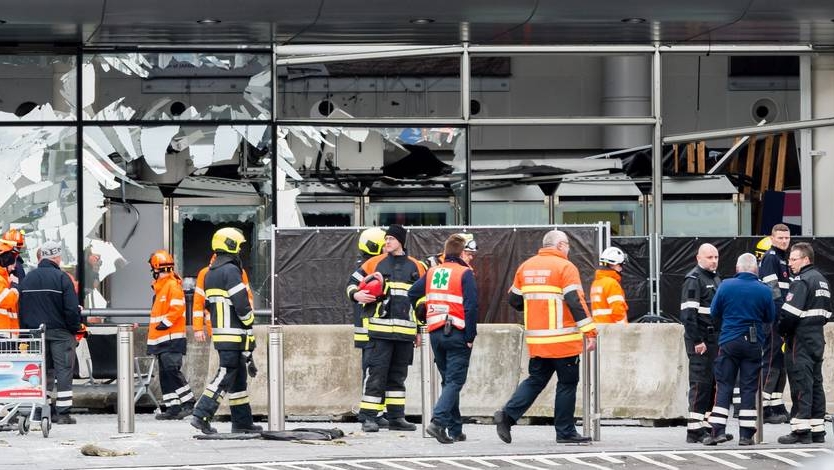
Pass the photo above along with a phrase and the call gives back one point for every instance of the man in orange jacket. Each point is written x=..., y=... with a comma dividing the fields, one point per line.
x=166, y=336
x=8, y=294
x=556, y=321
x=608, y=303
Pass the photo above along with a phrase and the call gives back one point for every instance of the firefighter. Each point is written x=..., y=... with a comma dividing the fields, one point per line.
x=17, y=272
x=774, y=271
x=700, y=339
x=556, y=322
x=451, y=297
x=806, y=310
x=232, y=318
x=166, y=336
x=608, y=304
x=200, y=317
x=371, y=243
x=392, y=330
x=8, y=293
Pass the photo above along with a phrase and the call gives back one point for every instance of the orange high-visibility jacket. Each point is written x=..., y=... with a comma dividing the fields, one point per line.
x=168, y=312
x=444, y=296
x=8, y=304
x=608, y=303
x=548, y=288
x=201, y=317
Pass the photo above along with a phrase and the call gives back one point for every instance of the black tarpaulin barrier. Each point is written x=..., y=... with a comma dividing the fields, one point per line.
x=313, y=265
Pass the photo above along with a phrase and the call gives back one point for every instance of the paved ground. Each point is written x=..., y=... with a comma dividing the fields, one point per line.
x=159, y=444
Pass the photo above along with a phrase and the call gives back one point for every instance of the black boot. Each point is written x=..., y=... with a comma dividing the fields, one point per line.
x=246, y=429
x=400, y=424
x=796, y=438
x=203, y=425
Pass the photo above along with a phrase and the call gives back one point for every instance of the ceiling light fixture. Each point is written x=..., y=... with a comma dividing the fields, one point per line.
x=421, y=20
x=208, y=21
x=633, y=20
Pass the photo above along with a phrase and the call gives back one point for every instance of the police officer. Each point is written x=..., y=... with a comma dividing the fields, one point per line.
x=392, y=330
x=232, y=317
x=742, y=309
x=451, y=299
x=700, y=339
x=608, y=304
x=548, y=289
x=774, y=271
x=806, y=310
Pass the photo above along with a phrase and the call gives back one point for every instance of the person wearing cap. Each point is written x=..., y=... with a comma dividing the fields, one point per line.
x=468, y=254
x=48, y=297
x=392, y=330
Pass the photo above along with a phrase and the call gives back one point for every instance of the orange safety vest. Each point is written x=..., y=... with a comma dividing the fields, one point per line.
x=199, y=315
x=169, y=309
x=550, y=328
x=8, y=305
x=608, y=303
x=444, y=296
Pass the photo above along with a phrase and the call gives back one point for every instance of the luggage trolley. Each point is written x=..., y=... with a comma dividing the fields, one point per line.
x=23, y=380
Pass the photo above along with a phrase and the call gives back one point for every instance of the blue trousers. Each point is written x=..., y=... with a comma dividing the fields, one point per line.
x=742, y=359
x=541, y=370
x=451, y=354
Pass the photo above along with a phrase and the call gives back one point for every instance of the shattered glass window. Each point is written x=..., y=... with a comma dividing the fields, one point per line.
x=170, y=86
x=39, y=189
x=37, y=88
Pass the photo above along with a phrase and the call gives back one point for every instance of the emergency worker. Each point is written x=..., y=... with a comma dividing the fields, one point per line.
x=48, y=297
x=392, y=330
x=200, y=316
x=232, y=318
x=742, y=310
x=806, y=310
x=700, y=339
x=548, y=289
x=467, y=256
x=18, y=237
x=8, y=293
x=371, y=243
x=608, y=304
x=774, y=272
x=451, y=297
x=166, y=336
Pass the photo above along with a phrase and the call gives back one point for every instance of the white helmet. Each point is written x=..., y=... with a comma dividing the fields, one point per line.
x=612, y=255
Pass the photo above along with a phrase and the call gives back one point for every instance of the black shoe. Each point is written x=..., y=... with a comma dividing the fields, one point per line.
x=439, y=433
x=746, y=441
x=502, y=426
x=370, y=426
x=171, y=413
x=186, y=410
x=460, y=437
x=714, y=440
x=775, y=417
x=796, y=438
x=818, y=437
x=63, y=419
x=202, y=425
x=696, y=437
x=400, y=424
x=246, y=429
x=382, y=422
x=573, y=439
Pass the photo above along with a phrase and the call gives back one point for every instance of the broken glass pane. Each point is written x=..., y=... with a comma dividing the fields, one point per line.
x=37, y=88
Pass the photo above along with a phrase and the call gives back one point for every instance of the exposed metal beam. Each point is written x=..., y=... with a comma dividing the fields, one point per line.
x=371, y=55
x=749, y=130
x=747, y=49
x=566, y=121
x=656, y=224
x=806, y=164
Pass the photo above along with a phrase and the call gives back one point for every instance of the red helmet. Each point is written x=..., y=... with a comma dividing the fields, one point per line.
x=374, y=284
x=161, y=260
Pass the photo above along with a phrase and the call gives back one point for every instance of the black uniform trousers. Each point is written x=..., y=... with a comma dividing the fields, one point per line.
x=451, y=355
x=803, y=360
x=60, y=360
x=366, y=361
x=384, y=386
x=231, y=378
x=701, y=386
x=175, y=388
x=774, y=374
x=738, y=358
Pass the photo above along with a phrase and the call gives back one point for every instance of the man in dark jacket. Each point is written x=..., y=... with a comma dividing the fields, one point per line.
x=48, y=297
x=742, y=310
x=232, y=317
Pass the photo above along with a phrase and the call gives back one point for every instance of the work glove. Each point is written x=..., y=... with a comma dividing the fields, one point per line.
x=161, y=326
x=249, y=362
x=81, y=333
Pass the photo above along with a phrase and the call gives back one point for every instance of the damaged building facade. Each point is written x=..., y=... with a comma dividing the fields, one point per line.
x=118, y=150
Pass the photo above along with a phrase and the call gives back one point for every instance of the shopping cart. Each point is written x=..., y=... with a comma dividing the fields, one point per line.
x=23, y=380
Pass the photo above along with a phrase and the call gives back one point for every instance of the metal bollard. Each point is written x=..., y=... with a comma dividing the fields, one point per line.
x=595, y=395
x=586, y=389
x=426, y=389
x=125, y=379
x=590, y=391
x=759, y=436
x=276, y=378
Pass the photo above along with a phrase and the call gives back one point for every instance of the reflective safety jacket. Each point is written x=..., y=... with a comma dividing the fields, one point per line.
x=774, y=271
x=699, y=287
x=608, y=303
x=444, y=296
x=166, y=329
x=360, y=327
x=200, y=316
x=391, y=317
x=8, y=304
x=807, y=306
x=230, y=309
x=547, y=287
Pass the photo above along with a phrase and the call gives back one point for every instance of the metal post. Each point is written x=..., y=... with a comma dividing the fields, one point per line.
x=276, y=378
x=759, y=413
x=586, y=389
x=426, y=391
x=595, y=396
x=124, y=378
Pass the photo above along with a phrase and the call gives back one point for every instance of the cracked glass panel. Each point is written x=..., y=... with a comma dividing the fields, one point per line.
x=198, y=177
x=177, y=86
x=412, y=176
x=37, y=88
x=38, y=190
